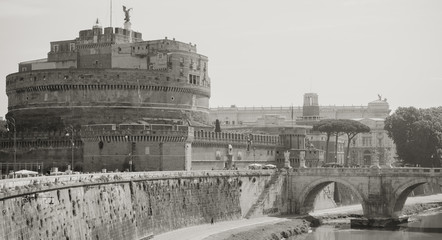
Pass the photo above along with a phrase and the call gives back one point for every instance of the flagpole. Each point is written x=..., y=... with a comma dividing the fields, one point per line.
x=110, y=13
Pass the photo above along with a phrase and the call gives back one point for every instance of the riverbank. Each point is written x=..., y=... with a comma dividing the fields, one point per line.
x=339, y=217
x=343, y=219
x=288, y=229
x=225, y=230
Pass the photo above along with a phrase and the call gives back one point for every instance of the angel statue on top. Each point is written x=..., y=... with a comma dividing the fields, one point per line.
x=126, y=13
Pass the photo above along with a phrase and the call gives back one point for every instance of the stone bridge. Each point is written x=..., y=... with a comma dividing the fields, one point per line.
x=382, y=192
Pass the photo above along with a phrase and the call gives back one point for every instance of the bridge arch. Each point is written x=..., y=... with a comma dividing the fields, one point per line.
x=401, y=193
x=308, y=193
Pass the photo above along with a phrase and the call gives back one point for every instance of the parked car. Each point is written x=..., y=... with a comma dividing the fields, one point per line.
x=255, y=166
x=332, y=165
x=269, y=166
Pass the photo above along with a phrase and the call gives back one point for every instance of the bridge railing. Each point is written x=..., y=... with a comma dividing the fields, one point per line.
x=369, y=171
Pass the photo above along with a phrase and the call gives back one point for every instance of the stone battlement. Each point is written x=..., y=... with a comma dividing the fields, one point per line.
x=67, y=79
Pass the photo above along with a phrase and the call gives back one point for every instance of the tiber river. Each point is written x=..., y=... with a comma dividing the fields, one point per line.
x=428, y=226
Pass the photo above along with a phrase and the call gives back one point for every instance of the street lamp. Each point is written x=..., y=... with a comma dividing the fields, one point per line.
x=11, y=120
x=71, y=134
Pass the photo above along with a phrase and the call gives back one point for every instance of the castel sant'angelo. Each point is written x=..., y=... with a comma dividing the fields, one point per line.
x=107, y=99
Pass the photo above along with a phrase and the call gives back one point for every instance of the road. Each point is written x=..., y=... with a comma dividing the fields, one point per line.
x=204, y=231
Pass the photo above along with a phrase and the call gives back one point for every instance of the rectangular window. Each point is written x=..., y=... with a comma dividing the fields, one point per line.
x=72, y=47
x=146, y=150
x=366, y=141
x=55, y=48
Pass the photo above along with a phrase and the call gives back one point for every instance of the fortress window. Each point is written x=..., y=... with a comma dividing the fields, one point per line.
x=71, y=46
x=55, y=49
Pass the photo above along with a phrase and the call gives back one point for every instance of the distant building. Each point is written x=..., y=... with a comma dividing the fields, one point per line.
x=380, y=148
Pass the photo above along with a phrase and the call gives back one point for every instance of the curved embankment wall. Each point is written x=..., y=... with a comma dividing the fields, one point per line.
x=133, y=205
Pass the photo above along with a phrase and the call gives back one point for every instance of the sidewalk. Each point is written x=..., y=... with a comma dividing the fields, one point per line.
x=203, y=231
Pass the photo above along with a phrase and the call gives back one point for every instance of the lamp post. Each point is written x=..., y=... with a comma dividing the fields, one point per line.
x=11, y=120
x=71, y=134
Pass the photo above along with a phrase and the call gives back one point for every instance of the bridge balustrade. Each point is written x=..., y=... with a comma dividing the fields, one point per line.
x=369, y=171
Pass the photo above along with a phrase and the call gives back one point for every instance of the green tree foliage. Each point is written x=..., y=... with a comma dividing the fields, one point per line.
x=217, y=126
x=417, y=134
x=340, y=126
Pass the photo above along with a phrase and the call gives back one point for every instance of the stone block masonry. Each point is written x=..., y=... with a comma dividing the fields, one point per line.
x=125, y=206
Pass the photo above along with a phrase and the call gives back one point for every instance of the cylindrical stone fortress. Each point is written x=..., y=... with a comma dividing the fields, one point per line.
x=50, y=99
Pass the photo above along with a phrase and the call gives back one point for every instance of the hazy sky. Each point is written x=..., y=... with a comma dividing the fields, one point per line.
x=263, y=53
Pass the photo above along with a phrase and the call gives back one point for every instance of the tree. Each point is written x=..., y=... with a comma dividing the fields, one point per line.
x=217, y=126
x=329, y=127
x=352, y=128
x=337, y=127
x=417, y=134
x=325, y=126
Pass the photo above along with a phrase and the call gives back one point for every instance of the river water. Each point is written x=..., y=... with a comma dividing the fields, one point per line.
x=425, y=226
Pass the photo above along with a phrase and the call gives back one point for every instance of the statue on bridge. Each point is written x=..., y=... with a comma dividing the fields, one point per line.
x=287, y=159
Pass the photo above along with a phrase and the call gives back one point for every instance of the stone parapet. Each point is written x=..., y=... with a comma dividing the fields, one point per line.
x=236, y=138
x=336, y=172
x=22, y=186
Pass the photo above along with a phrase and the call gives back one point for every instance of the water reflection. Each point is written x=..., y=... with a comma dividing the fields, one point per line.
x=424, y=227
x=431, y=223
x=330, y=233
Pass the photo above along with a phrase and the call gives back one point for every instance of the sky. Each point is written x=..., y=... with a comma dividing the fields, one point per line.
x=262, y=53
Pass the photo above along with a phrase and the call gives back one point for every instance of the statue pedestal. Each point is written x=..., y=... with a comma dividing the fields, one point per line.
x=127, y=25
x=302, y=159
